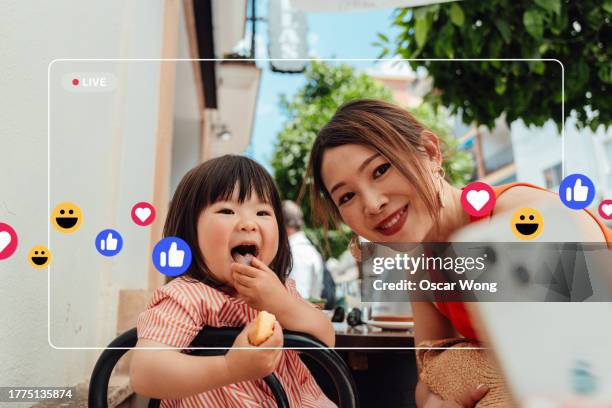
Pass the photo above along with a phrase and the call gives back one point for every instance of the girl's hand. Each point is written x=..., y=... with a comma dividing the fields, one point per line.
x=255, y=362
x=259, y=286
x=467, y=399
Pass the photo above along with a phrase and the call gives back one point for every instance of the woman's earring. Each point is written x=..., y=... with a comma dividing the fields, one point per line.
x=440, y=173
x=354, y=248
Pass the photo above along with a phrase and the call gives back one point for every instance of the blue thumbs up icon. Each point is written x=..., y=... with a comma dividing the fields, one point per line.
x=577, y=191
x=109, y=242
x=171, y=256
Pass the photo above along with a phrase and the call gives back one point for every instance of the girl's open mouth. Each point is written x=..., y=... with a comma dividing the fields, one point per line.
x=393, y=223
x=244, y=253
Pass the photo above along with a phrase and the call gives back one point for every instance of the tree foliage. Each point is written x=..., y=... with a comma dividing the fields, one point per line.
x=577, y=33
x=327, y=87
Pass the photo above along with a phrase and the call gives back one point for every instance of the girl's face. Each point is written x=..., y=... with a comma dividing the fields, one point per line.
x=227, y=228
x=374, y=199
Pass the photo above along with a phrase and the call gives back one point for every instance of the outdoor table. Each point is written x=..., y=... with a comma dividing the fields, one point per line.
x=364, y=336
x=383, y=364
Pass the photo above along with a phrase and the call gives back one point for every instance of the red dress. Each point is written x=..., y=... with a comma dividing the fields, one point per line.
x=456, y=312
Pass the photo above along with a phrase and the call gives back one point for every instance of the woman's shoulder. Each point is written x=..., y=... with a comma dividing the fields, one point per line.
x=513, y=197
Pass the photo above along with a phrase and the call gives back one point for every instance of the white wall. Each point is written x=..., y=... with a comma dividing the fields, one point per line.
x=538, y=148
x=495, y=142
x=102, y=156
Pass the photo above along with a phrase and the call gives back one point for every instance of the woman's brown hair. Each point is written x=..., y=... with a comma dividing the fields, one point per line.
x=384, y=127
x=215, y=180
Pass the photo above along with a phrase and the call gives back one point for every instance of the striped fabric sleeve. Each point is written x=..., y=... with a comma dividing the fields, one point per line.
x=170, y=318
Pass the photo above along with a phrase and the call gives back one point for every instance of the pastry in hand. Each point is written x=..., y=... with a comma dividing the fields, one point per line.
x=263, y=328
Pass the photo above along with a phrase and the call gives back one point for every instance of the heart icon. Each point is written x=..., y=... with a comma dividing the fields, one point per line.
x=5, y=240
x=477, y=198
x=607, y=209
x=8, y=241
x=143, y=213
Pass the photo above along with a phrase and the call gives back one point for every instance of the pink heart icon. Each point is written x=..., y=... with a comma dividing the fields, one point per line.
x=143, y=213
x=605, y=209
x=8, y=240
x=478, y=199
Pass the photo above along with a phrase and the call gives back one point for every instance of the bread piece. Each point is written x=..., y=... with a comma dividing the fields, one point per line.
x=263, y=328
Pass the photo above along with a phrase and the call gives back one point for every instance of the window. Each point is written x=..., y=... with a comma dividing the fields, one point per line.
x=552, y=176
x=608, y=162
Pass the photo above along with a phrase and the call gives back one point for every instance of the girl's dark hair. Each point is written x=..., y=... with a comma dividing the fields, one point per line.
x=385, y=128
x=213, y=181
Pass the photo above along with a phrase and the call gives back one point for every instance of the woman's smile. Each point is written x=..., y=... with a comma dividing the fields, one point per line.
x=394, y=222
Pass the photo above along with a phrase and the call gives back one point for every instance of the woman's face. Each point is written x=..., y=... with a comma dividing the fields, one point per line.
x=374, y=199
x=228, y=230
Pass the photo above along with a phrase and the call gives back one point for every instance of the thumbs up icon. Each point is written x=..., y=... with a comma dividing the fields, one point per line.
x=175, y=257
x=577, y=191
x=171, y=256
x=580, y=192
x=109, y=242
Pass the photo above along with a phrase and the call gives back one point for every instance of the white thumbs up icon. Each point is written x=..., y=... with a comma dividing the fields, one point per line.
x=174, y=256
x=109, y=244
x=580, y=192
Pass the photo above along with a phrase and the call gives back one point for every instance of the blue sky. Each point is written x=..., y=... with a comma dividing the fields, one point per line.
x=331, y=35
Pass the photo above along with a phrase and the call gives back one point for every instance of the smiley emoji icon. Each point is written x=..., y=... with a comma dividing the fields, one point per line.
x=39, y=257
x=66, y=217
x=527, y=223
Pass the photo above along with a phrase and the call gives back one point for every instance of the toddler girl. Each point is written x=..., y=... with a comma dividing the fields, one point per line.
x=229, y=212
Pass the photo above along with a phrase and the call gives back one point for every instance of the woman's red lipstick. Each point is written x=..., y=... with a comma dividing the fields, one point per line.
x=397, y=220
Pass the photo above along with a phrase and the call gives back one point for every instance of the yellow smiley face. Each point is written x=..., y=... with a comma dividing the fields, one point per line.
x=39, y=257
x=527, y=223
x=66, y=217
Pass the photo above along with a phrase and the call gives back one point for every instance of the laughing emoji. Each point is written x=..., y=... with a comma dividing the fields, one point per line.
x=66, y=217
x=39, y=257
x=527, y=223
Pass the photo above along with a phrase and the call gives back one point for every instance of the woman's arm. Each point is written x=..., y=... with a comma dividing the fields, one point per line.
x=521, y=196
x=429, y=324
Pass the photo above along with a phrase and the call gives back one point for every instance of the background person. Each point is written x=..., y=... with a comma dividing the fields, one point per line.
x=307, y=268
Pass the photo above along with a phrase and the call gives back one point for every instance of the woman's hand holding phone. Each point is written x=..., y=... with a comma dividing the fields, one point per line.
x=251, y=362
x=467, y=399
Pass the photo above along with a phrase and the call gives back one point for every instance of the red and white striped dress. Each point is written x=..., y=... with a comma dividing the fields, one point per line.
x=179, y=310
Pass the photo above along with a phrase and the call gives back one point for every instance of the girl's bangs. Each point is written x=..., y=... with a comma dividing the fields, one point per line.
x=244, y=174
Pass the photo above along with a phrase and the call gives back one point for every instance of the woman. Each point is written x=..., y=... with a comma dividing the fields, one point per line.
x=377, y=169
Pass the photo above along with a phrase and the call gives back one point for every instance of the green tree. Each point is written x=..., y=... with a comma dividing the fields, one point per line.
x=577, y=33
x=326, y=88
x=458, y=164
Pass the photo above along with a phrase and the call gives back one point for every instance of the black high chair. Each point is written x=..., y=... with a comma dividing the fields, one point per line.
x=328, y=359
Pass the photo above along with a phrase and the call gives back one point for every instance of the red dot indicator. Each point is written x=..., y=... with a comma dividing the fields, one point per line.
x=75, y=82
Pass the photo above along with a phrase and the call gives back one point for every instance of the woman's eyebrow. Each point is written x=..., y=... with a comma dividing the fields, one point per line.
x=359, y=170
x=367, y=161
